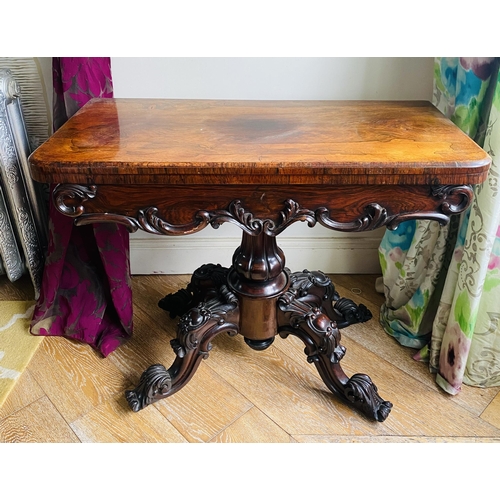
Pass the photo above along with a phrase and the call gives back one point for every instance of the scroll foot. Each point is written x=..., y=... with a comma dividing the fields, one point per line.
x=193, y=343
x=362, y=393
x=155, y=382
x=351, y=313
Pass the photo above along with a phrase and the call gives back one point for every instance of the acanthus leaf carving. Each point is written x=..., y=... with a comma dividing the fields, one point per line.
x=154, y=383
x=446, y=193
x=362, y=393
x=69, y=200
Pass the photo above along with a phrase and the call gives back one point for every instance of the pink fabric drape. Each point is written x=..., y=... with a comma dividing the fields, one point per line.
x=86, y=293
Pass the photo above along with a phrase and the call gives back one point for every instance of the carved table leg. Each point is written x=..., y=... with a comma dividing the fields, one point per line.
x=309, y=308
x=196, y=329
x=300, y=315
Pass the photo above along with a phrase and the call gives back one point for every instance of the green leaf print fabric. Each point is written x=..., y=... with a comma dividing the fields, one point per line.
x=442, y=284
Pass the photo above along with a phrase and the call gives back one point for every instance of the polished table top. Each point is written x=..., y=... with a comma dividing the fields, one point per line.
x=179, y=142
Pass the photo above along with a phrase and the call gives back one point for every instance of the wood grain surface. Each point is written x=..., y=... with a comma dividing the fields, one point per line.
x=148, y=141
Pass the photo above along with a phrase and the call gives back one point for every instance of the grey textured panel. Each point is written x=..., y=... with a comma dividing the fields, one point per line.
x=12, y=263
x=22, y=197
x=36, y=113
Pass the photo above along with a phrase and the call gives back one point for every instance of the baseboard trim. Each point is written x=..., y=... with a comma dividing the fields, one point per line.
x=182, y=255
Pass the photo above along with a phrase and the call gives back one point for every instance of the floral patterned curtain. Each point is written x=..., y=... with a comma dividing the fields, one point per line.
x=86, y=293
x=442, y=284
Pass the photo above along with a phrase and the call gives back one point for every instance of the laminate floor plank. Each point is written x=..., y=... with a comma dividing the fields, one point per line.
x=252, y=427
x=359, y=286
x=25, y=392
x=204, y=407
x=150, y=344
x=285, y=391
x=75, y=377
x=492, y=413
x=148, y=290
x=39, y=422
x=114, y=422
x=391, y=439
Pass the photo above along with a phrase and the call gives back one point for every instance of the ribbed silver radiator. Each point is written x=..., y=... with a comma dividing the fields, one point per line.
x=23, y=206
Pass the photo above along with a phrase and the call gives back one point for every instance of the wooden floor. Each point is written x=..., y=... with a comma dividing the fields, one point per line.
x=70, y=393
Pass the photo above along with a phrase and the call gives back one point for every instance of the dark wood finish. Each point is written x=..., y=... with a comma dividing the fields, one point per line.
x=217, y=312
x=309, y=308
x=180, y=210
x=308, y=311
x=173, y=167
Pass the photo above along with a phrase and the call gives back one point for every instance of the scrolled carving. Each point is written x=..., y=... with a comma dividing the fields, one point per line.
x=206, y=282
x=374, y=216
x=69, y=198
x=155, y=382
x=302, y=283
x=316, y=289
x=328, y=335
x=193, y=342
x=214, y=312
x=317, y=331
x=214, y=309
x=363, y=394
x=294, y=213
x=149, y=221
x=308, y=322
x=351, y=313
x=237, y=215
x=210, y=276
x=446, y=193
x=300, y=316
x=255, y=226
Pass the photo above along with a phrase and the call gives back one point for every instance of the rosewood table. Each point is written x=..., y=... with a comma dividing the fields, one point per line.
x=173, y=167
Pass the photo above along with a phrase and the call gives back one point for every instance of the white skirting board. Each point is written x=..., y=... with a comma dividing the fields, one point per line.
x=345, y=254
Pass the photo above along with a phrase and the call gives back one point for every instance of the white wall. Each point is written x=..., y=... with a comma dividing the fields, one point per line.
x=273, y=78
x=267, y=78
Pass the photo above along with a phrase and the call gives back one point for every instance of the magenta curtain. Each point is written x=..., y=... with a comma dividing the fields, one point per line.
x=86, y=293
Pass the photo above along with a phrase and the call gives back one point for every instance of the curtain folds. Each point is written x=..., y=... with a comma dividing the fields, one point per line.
x=86, y=293
x=442, y=284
